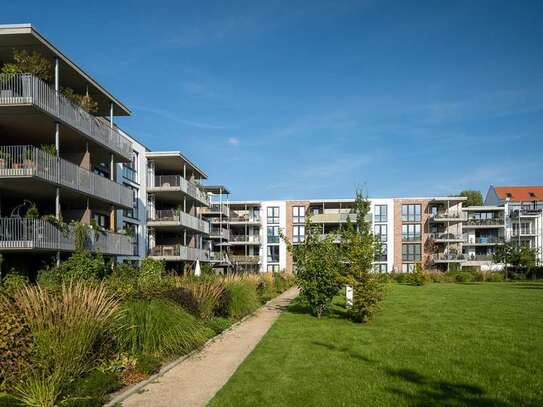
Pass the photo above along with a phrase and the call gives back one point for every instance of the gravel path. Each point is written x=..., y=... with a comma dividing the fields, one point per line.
x=197, y=379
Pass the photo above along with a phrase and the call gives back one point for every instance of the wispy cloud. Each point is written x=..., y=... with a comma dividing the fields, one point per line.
x=177, y=119
x=233, y=141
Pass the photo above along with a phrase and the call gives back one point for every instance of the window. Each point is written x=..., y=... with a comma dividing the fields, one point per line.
x=273, y=234
x=101, y=220
x=298, y=233
x=298, y=214
x=380, y=268
x=408, y=267
x=132, y=230
x=382, y=254
x=273, y=268
x=130, y=171
x=411, y=232
x=273, y=254
x=273, y=214
x=524, y=228
x=411, y=213
x=133, y=212
x=411, y=252
x=380, y=231
x=380, y=213
x=315, y=210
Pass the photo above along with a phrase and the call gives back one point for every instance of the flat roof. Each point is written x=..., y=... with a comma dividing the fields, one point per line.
x=25, y=36
x=174, y=160
x=216, y=189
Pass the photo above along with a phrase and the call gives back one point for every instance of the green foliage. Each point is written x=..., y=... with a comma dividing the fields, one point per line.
x=49, y=149
x=8, y=400
x=32, y=212
x=39, y=390
x=159, y=327
x=86, y=102
x=13, y=282
x=33, y=63
x=419, y=276
x=475, y=198
x=240, y=299
x=15, y=344
x=520, y=259
x=462, y=276
x=94, y=386
x=218, y=324
x=148, y=364
x=82, y=402
x=358, y=247
x=200, y=296
x=80, y=266
x=151, y=271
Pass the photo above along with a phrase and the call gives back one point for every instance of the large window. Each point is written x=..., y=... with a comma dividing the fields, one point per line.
x=408, y=267
x=411, y=252
x=298, y=233
x=382, y=254
x=273, y=254
x=132, y=213
x=411, y=213
x=273, y=234
x=273, y=214
x=381, y=232
x=273, y=268
x=411, y=232
x=130, y=171
x=380, y=213
x=298, y=214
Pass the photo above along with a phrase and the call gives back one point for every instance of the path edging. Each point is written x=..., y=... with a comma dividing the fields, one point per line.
x=138, y=386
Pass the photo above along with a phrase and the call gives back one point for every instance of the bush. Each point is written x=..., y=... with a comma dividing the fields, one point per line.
x=80, y=266
x=399, y=277
x=218, y=324
x=15, y=344
x=368, y=295
x=39, y=390
x=97, y=384
x=151, y=271
x=201, y=296
x=419, y=276
x=239, y=299
x=266, y=287
x=13, y=282
x=147, y=364
x=82, y=402
x=279, y=283
x=159, y=327
x=462, y=276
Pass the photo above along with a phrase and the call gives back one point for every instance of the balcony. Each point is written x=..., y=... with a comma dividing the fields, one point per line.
x=175, y=183
x=217, y=210
x=245, y=259
x=447, y=257
x=26, y=89
x=243, y=218
x=175, y=218
x=334, y=217
x=478, y=257
x=219, y=233
x=30, y=161
x=483, y=240
x=483, y=223
x=244, y=239
x=525, y=212
x=20, y=234
x=446, y=237
x=450, y=216
x=177, y=252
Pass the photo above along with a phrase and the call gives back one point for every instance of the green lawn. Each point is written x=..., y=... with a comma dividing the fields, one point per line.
x=441, y=344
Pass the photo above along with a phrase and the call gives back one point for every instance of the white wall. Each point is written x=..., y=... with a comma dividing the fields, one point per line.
x=263, y=233
x=390, y=228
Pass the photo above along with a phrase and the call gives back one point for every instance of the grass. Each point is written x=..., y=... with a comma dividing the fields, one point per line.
x=440, y=344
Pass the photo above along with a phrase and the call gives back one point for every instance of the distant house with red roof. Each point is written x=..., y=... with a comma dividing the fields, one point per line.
x=528, y=196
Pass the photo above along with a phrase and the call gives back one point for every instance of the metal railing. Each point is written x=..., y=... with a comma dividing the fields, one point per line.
x=483, y=240
x=448, y=257
x=178, y=182
x=216, y=208
x=479, y=257
x=236, y=217
x=179, y=252
x=335, y=217
x=245, y=259
x=245, y=238
x=446, y=236
x=25, y=161
x=183, y=218
x=38, y=234
x=484, y=222
x=448, y=215
x=219, y=232
x=24, y=89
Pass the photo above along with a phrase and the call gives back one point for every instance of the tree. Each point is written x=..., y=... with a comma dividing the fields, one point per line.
x=358, y=248
x=521, y=258
x=475, y=198
x=317, y=266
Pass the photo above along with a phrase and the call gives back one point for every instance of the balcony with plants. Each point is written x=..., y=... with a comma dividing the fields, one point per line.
x=177, y=183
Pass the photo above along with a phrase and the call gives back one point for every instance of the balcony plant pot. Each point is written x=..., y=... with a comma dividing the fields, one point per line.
x=28, y=163
x=2, y=163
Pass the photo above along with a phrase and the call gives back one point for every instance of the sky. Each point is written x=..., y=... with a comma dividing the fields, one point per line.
x=315, y=99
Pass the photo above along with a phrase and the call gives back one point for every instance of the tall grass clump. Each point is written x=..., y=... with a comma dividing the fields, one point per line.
x=240, y=297
x=159, y=327
x=200, y=296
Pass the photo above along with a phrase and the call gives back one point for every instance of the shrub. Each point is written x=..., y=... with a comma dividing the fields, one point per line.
x=266, y=287
x=39, y=390
x=82, y=402
x=15, y=344
x=25, y=62
x=419, y=276
x=279, y=283
x=463, y=277
x=202, y=296
x=437, y=277
x=147, y=364
x=82, y=266
x=65, y=328
x=218, y=324
x=368, y=295
x=239, y=299
x=97, y=385
x=13, y=282
x=399, y=277
x=151, y=271
x=159, y=327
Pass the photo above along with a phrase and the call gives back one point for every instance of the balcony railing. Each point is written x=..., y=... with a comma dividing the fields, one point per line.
x=219, y=232
x=24, y=89
x=30, y=161
x=479, y=257
x=179, y=217
x=236, y=217
x=484, y=222
x=38, y=234
x=483, y=240
x=179, y=252
x=245, y=238
x=335, y=217
x=446, y=237
x=448, y=215
x=245, y=259
x=177, y=182
x=216, y=208
x=448, y=257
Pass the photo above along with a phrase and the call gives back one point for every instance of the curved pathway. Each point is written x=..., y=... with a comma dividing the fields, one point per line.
x=195, y=381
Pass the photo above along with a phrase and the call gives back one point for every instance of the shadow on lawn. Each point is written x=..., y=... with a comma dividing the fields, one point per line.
x=344, y=350
x=527, y=286
x=439, y=392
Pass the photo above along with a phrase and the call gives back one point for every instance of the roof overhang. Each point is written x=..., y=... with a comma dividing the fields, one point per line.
x=216, y=189
x=25, y=36
x=174, y=161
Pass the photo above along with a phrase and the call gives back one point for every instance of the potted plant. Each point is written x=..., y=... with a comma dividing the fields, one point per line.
x=49, y=149
x=27, y=162
x=32, y=212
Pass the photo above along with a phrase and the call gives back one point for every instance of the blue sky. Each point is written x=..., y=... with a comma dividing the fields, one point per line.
x=310, y=99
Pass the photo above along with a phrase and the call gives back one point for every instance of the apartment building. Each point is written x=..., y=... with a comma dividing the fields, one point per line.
x=246, y=229
x=177, y=229
x=58, y=160
x=217, y=214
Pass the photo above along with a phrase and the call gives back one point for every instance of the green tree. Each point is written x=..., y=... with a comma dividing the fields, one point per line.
x=475, y=198
x=358, y=248
x=520, y=258
x=33, y=63
x=317, y=267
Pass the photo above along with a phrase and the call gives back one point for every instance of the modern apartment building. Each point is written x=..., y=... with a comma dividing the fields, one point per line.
x=246, y=249
x=57, y=158
x=217, y=214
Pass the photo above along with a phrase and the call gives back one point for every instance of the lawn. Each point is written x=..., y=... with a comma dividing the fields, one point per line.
x=441, y=344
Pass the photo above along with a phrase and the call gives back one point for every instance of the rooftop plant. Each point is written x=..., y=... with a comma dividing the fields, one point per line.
x=33, y=63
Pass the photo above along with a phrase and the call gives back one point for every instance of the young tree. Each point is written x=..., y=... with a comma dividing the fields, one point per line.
x=317, y=265
x=358, y=247
x=521, y=258
x=475, y=198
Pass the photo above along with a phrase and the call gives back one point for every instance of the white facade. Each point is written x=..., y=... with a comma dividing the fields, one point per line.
x=382, y=220
x=271, y=241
